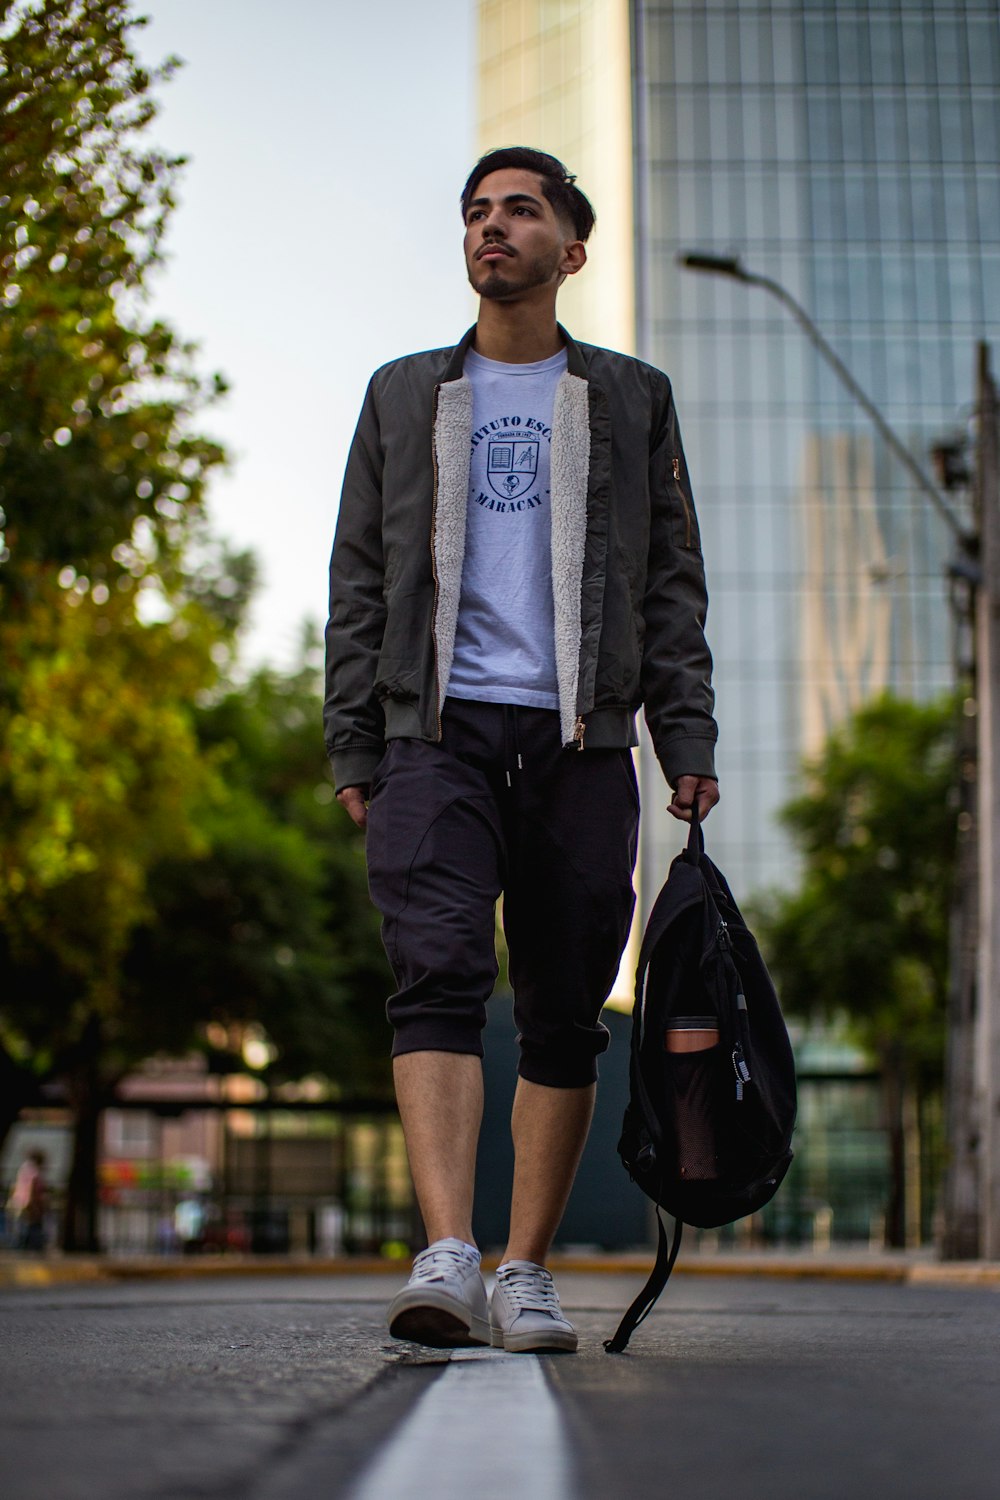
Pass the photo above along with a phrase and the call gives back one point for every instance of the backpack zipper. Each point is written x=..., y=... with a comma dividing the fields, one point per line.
x=741, y=1067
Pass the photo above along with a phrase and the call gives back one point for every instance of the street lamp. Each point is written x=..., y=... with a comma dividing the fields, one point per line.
x=972, y=1191
x=726, y=265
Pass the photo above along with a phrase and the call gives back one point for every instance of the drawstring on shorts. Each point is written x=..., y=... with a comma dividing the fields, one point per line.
x=511, y=746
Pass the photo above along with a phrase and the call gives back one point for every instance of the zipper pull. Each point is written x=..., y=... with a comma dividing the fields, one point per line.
x=722, y=936
x=579, y=730
x=740, y=1069
x=677, y=469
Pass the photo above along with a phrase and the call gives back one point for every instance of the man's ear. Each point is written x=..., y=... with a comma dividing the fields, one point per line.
x=574, y=258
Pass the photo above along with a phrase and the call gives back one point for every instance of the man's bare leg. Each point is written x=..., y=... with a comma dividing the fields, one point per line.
x=440, y=1098
x=550, y=1129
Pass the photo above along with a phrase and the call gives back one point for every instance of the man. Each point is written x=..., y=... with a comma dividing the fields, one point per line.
x=516, y=569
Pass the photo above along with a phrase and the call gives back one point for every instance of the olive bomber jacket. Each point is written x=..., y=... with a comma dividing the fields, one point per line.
x=628, y=581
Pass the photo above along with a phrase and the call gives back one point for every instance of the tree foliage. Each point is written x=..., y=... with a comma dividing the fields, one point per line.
x=274, y=927
x=97, y=398
x=101, y=777
x=866, y=934
x=105, y=642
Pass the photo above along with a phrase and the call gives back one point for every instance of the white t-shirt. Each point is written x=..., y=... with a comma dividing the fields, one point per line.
x=505, y=640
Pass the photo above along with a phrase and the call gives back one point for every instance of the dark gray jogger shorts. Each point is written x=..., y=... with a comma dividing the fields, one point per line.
x=498, y=805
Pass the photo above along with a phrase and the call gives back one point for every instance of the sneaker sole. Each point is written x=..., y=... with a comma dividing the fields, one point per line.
x=435, y=1320
x=555, y=1342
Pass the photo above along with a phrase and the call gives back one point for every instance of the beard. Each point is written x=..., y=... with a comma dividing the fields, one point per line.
x=497, y=286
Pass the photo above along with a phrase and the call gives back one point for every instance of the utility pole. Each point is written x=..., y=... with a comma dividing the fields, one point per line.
x=960, y=1196
x=987, y=498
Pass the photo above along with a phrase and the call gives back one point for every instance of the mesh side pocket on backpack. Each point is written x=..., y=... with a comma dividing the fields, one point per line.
x=691, y=1043
x=694, y=1114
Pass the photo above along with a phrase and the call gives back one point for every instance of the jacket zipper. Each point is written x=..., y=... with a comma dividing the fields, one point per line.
x=579, y=730
x=434, y=571
x=684, y=500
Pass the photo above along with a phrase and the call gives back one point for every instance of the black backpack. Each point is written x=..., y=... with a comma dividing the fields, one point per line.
x=708, y=1128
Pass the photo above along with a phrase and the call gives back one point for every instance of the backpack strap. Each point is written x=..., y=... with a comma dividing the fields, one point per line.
x=663, y=913
x=666, y=1255
x=696, y=839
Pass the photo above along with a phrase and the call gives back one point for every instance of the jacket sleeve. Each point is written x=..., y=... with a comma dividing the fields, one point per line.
x=676, y=663
x=353, y=723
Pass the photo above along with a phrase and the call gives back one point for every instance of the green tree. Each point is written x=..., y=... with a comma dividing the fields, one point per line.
x=275, y=765
x=865, y=936
x=167, y=870
x=101, y=487
x=102, y=777
x=168, y=853
x=97, y=398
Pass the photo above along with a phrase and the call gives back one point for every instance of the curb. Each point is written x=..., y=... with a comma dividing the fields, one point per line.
x=99, y=1271
x=34, y=1274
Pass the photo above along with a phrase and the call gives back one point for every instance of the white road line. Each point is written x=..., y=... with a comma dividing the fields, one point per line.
x=493, y=1431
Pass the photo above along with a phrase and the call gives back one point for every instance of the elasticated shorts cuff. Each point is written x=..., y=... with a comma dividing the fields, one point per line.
x=434, y=1035
x=558, y=1072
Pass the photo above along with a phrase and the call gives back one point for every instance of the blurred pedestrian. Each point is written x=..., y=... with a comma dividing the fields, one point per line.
x=517, y=569
x=189, y=1224
x=29, y=1203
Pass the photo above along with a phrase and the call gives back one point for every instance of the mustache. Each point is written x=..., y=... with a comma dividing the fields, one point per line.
x=492, y=246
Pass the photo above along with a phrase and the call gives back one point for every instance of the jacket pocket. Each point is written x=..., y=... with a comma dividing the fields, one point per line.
x=686, y=524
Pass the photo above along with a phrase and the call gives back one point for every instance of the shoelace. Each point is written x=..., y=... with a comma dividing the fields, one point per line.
x=531, y=1291
x=441, y=1264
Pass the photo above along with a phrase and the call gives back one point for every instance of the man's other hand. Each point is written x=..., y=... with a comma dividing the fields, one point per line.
x=688, y=788
x=353, y=798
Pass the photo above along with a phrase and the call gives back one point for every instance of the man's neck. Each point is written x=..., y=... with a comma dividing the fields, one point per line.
x=515, y=333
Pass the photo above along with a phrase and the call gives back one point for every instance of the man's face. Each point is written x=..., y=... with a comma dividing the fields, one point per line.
x=513, y=240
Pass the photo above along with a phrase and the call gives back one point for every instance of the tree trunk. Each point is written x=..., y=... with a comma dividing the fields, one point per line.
x=893, y=1086
x=87, y=1099
x=913, y=1148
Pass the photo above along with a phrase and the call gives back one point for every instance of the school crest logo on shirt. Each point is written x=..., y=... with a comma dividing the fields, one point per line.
x=512, y=465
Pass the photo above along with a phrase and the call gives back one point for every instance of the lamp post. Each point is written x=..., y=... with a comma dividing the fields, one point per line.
x=987, y=647
x=972, y=1186
x=721, y=265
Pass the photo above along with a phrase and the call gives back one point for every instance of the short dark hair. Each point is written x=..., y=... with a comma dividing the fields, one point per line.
x=558, y=185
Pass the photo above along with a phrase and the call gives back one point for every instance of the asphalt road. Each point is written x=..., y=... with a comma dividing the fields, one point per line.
x=287, y=1388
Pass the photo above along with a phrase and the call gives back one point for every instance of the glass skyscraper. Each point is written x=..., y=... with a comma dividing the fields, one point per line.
x=850, y=151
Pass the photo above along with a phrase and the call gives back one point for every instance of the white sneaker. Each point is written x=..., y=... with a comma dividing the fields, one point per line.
x=443, y=1304
x=525, y=1312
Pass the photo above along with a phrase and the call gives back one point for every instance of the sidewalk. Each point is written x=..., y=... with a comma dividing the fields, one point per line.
x=912, y=1267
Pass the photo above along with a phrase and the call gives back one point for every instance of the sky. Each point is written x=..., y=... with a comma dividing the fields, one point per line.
x=317, y=235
